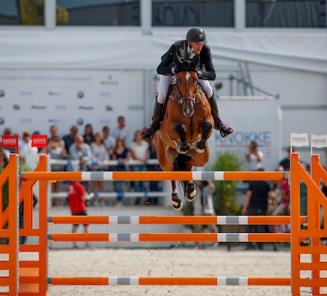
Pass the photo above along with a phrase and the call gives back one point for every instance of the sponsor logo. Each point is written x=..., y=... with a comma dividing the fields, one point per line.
x=2, y=93
x=54, y=93
x=60, y=107
x=105, y=121
x=243, y=138
x=80, y=94
x=105, y=94
x=38, y=107
x=16, y=107
x=2, y=121
x=80, y=121
x=53, y=120
x=109, y=108
x=26, y=120
x=26, y=93
x=135, y=107
x=86, y=108
x=110, y=80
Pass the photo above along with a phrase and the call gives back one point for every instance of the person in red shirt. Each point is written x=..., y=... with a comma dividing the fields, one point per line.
x=77, y=204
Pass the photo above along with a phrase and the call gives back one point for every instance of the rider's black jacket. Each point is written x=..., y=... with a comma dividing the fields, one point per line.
x=206, y=67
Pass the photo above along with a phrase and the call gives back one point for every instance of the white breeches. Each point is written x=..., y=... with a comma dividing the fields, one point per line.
x=165, y=81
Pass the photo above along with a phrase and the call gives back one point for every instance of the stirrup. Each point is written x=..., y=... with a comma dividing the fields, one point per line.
x=224, y=129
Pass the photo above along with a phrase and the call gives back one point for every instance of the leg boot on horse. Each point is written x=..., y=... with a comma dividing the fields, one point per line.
x=224, y=129
x=156, y=119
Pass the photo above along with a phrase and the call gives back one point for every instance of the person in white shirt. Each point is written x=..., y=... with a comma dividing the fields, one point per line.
x=254, y=157
x=27, y=152
x=99, y=156
x=81, y=152
x=121, y=131
x=140, y=152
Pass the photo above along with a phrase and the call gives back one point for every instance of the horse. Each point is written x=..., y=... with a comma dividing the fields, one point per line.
x=181, y=141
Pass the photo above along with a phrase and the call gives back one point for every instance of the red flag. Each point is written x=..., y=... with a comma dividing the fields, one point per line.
x=10, y=142
x=39, y=141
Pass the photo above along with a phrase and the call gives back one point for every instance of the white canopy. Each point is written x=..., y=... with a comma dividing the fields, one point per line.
x=100, y=48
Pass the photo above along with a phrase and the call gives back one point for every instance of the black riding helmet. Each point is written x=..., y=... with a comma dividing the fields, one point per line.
x=196, y=35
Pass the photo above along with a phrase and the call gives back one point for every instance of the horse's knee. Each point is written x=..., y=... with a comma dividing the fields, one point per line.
x=206, y=126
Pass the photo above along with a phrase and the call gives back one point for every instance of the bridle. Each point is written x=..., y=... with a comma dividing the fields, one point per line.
x=190, y=101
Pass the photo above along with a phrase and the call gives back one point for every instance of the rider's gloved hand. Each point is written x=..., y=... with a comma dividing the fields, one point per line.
x=173, y=69
x=200, y=73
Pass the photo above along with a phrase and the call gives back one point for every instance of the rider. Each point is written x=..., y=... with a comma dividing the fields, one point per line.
x=196, y=39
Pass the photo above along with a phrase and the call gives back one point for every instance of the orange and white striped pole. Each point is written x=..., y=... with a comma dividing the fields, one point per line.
x=154, y=176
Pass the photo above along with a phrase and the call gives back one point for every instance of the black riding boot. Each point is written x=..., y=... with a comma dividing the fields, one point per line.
x=224, y=129
x=156, y=119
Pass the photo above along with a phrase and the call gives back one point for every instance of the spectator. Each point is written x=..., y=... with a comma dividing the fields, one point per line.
x=88, y=134
x=122, y=154
x=53, y=130
x=70, y=138
x=28, y=153
x=254, y=157
x=285, y=163
x=140, y=152
x=108, y=140
x=140, y=148
x=77, y=203
x=7, y=131
x=81, y=152
x=99, y=155
x=57, y=151
x=256, y=204
x=121, y=130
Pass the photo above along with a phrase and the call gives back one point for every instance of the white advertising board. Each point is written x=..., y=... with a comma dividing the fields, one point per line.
x=35, y=99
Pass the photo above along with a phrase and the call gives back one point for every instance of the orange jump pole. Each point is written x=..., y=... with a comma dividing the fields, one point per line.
x=171, y=237
x=170, y=281
x=174, y=220
x=152, y=176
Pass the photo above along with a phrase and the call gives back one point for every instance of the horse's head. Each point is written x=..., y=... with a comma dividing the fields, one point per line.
x=186, y=62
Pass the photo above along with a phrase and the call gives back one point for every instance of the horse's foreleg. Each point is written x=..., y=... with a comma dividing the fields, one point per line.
x=205, y=128
x=175, y=200
x=183, y=147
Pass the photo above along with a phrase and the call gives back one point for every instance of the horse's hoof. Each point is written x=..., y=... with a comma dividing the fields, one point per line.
x=200, y=146
x=176, y=202
x=183, y=148
x=190, y=192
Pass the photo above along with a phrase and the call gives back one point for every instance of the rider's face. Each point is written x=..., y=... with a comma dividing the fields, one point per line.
x=196, y=46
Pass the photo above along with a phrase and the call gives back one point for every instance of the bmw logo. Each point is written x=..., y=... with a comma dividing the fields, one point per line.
x=80, y=121
x=2, y=93
x=2, y=120
x=80, y=94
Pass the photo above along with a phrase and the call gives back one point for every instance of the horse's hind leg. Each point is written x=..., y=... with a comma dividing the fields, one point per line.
x=175, y=200
x=183, y=147
x=205, y=128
